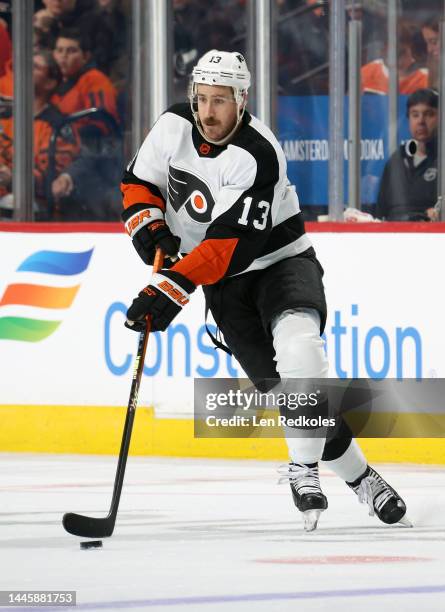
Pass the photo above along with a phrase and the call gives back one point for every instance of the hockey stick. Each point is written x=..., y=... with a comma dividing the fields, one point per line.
x=90, y=527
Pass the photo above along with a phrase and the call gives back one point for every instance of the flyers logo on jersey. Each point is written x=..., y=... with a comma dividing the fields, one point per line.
x=187, y=190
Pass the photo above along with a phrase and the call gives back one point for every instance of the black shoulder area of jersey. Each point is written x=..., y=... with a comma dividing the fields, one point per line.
x=260, y=148
x=256, y=144
x=182, y=110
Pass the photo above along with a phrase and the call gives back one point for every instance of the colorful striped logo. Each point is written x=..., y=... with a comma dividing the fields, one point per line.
x=42, y=295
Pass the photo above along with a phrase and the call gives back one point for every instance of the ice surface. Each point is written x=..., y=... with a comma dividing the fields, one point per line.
x=210, y=535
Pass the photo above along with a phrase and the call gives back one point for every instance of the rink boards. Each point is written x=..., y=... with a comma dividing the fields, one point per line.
x=66, y=359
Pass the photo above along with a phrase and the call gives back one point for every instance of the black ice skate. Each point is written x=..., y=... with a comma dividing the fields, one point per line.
x=306, y=492
x=382, y=500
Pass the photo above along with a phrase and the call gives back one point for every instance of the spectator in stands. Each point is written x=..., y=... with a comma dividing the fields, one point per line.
x=109, y=36
x=52, y=11
x=83, y=86
x=235, y=12
x=189, y=13
x=412, y=76
x=185, y=17
x=47, y=118
x=100, y=21
x=55, y=15
x=6, y=81
x=430, y=33
x=373, y=16
x=44, y=30
x=219, y=34
x=5, y=47
x=88, y=189
x=408, y=189
x=303, y=49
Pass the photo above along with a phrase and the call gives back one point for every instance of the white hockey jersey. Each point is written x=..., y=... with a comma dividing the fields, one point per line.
x=232, y=205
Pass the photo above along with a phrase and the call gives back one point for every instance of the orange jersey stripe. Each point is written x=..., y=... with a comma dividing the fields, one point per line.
x=208, y=262
x=39, y=295
x=138, y=194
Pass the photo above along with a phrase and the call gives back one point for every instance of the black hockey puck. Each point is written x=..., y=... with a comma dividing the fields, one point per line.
x=91, y=544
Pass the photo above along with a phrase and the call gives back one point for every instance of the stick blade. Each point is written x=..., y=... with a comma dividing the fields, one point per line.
x=87, y=526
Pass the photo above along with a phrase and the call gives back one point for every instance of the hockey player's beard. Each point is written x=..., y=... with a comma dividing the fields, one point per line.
x=217, y=139
x=210, y=132
x=214, y=130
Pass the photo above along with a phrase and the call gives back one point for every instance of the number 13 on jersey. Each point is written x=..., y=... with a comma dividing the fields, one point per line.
x=262, y=207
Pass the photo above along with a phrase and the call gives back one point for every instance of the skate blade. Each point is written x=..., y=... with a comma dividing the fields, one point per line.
x=405, y=522
x=310, y=519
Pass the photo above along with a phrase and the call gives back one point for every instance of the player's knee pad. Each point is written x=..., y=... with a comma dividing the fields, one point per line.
x=299, y=350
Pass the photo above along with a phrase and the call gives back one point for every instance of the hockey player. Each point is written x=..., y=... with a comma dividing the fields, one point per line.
x=215, y=176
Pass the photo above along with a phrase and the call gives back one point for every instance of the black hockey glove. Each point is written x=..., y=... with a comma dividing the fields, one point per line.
x=148, y=230
x=162, y=300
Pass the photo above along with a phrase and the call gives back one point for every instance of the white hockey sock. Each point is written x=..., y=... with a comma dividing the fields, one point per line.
x=299, y=353
x=350, y=465
x=305, y=450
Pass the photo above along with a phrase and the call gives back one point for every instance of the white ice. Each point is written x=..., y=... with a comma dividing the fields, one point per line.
x=213, y=535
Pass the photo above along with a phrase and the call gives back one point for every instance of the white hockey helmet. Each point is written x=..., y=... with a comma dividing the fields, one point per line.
x=224, y=68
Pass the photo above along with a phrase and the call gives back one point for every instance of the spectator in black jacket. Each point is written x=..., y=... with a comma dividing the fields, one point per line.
x=408, y=190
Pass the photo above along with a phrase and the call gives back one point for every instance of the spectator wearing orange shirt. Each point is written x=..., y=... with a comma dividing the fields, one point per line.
x=375, y=74
x=47, y=118
x=83, y=86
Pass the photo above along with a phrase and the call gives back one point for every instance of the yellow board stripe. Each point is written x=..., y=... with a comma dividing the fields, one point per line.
x=98, y=430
